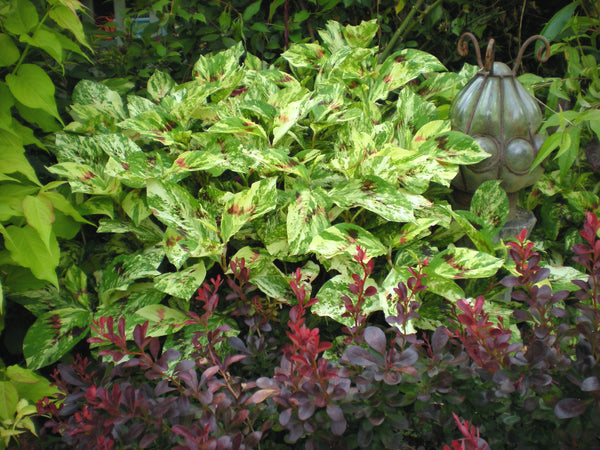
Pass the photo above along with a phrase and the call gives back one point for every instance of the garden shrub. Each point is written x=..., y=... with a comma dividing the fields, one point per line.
x=390, y=388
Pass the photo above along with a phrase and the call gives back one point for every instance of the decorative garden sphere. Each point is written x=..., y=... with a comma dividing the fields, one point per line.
x=498, y=112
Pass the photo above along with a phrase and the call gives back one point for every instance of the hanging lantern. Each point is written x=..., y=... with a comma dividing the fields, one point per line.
x=498, y=112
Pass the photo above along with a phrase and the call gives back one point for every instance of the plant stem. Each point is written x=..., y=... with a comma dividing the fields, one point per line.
x=407, y=20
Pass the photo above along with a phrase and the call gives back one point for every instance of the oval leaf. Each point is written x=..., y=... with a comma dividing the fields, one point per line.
x=567, y=408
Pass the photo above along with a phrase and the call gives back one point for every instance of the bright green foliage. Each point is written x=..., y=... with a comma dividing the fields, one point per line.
x=31, y=216
x=275, y=167
x=20, y=389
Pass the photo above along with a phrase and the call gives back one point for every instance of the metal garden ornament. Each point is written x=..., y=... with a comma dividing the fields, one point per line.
x=498, y=112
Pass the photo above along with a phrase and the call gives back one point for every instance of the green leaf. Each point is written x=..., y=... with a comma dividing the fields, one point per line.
x=306, y=217
x=556, y=140
x=68, y=19
x=238, y=126
x=22, y=16
x=264, y=274
x=251, y=10
x=162, y=319
x=29, y=384
x=343, y=238
x=247, y=205
x=182, y=284
x=378, y=196
x=12, y=157
x=47, y=40
x=557, y=22
x=9, y=398
x=192, y=230
x=361, y=35
x=34, y=88
x=124, y=270
x=100, y=96
x=160, y=84
x=39, y=214
x=490, y=203
x=53, y=334
x=197, y=160
x=27, y=249
x=10, y=53
x=460, y=263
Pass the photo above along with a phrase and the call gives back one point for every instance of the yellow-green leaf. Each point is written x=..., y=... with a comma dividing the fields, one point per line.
x=34, y=88
x=39, y=214
x=10, y=53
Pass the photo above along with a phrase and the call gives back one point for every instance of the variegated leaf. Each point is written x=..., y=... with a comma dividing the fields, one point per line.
x=183, y=283
x=378, y=196
x=247, y=205
x=343, y=238
x=306, y=218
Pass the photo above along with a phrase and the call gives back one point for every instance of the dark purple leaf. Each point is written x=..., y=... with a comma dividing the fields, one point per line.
x=154, y=347
x=338, y=428
x=590, y=384
x=231, y=359
x=392, y=378
x=148, y=440
x=536, y=352
x=210, y=372
x=186, y=364
x=135, y=431
x=359, y=356
x=522, y=316
x=237, y=344
x=335, y=412
x=510, y=281
x=285, y=417
x=567, y=408
x=407, y=358
x=370, y=291
x=439, y=339
x=541, y=274
x=170, y=355
x=375, y=338
x=162, y=387
x=559, y=312
x=306, y=410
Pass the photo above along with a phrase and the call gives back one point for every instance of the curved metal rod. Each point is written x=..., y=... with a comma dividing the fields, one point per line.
x=489, y=56
x=463, y=47
x=539, y=56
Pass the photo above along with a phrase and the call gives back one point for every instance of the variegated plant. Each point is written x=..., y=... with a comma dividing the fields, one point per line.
x=285, y=166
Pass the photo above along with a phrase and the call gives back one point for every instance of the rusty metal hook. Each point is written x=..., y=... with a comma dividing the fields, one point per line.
x=539, y=56
x=463, y=47
x=463, y=50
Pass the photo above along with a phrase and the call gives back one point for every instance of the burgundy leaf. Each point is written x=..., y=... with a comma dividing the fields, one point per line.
x=210, y=372
x=375, y=338
x=567, y=408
